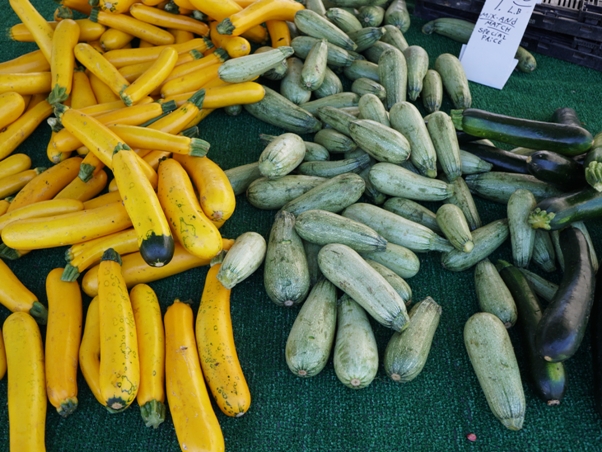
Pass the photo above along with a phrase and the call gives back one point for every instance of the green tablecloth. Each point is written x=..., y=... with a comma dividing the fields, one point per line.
x=434, y=412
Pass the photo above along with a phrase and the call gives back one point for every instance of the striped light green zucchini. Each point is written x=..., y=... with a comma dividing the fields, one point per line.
x=443, y=136
x=291, y=86
x=395, y=37
x=285, y=271
x=242, y=259
x=336, y=118
x=333, y=195
x=336, y=57
x=347, y=270
x=248, y=67
x=393, y=75
x=344, y=99
x=397, y=229
x=395, y=180
x=362, y=68
x=312, y=335
x=492, y=357
x=432, y=91
x=279, y=70
x=363, y=86
x=454, y=80
x=498, y=185
x=397, y=258
x=544, y=255
x=323, y=227
x=336, y=142
x=371, y=15
x=331, y=85
x=282, y=155
x=486, y=239
x=493, y=295
x=522, y=236
x=371, y=107
x=355, y=355
x=277, y=110
x=452, y=223
x=333, y=168
x=397, y=14
x=397, y=282
x=413, y=211
x=366, y=37
x=375, y=196
x=312, y=24
x=314, y=66
x=462, y=197
x=417, y=60
x=383, y=143
x=268, y=194
x=343, y=19
x=406, y=352
x=406, y=118
x=374, y=52
x=242, y=176
x=471, y=164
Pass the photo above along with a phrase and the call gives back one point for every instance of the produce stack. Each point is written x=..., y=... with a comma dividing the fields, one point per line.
x=366, y=153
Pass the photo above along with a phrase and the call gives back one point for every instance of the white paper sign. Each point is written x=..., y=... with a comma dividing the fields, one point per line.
x=488, y=57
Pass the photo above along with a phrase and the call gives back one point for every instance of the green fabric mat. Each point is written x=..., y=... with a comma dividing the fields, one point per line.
x=434, y=412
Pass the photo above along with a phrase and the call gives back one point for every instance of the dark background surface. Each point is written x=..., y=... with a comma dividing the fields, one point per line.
x=434, y=412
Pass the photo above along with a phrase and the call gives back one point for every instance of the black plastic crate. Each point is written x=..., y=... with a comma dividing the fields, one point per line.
x=578, y=50
x=580, y=18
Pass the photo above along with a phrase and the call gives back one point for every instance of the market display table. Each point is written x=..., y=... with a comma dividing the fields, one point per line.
x=434, y=412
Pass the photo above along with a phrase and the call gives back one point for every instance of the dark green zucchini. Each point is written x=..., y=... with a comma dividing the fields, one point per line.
x=564, y=172
x=562, y=325
x=501, y=159
x=559, y=211
x=549, y=379
x=596, y=337
x=566, y=115
x=566, y=139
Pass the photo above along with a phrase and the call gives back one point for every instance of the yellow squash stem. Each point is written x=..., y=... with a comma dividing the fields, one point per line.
x=25, y=363
x=217, y=351
x=151, y=346
x=195, y=422
x=119, y=359
x=63, y=333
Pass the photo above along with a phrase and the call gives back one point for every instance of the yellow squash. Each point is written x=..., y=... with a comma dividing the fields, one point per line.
x=98, y=65
x=164, y=19
x=9, y=185
x=128, y=24
x=257, y=13
x=41, y=209
x=188, y=222
x=142, y=204
x=12, y=105
x=39, y=28
x=17, y=131
x=217, y=351
x=89, y=350
x=119, y=376
x=14, y=164
x=82, y=191
x=25, y=363
x=63, y=333
x=195, y=422
x=2, y=357
x=151, y=347
x=62, y=62
x=18, y=298
x=34, y=61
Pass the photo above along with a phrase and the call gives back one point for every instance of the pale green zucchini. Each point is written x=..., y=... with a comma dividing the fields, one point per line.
x=397, y=229
x=268, y=194
x=522, y=236
x=331, y=85
x=242, y=176
x=397, y=14
x=281, y=156
x=383, y=143
x=285, y=270
x=397, y=282
x=277, y=110
x=413, y=211
x=363, y=86
x=498, y=185
x=471, y=164
x=291, y=86
x=366, y=37
x=462, y=197
x=373, y=195
x=453, y=224
x=344, y=99
x=544, y=255
x=443, y=136
x=278, y=71
x=493, y=295
x=492, y=357
x=417, y=60
x=323, y=227
x=371, y=107
x=312, y=24
x=347, y=270
x=371, y=15
x=343, y=19
x=399, y=259
x=333, y=168
x=454, y=80
x=336, y=118
x=432, y=91
x=314, y=66
x=486, y=239
x=407, y=352
x=393, y=75
x=362, y=68
x=333, y=195
x=406, y=119
x=311, y=338
x=374, y=52
x=249, y=67
x=315, y=152
x=242, y=259
x=395, y=37
x=395, y=180
x=335, y=141
x=336, y=57
x=355, y=355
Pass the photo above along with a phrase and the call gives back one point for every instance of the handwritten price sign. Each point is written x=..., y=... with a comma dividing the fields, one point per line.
x=488, y=57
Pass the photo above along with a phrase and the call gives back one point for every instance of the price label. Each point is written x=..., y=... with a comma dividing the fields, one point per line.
x=488, y=57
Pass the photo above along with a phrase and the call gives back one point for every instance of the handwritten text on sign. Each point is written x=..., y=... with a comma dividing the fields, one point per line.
x=488, y=58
